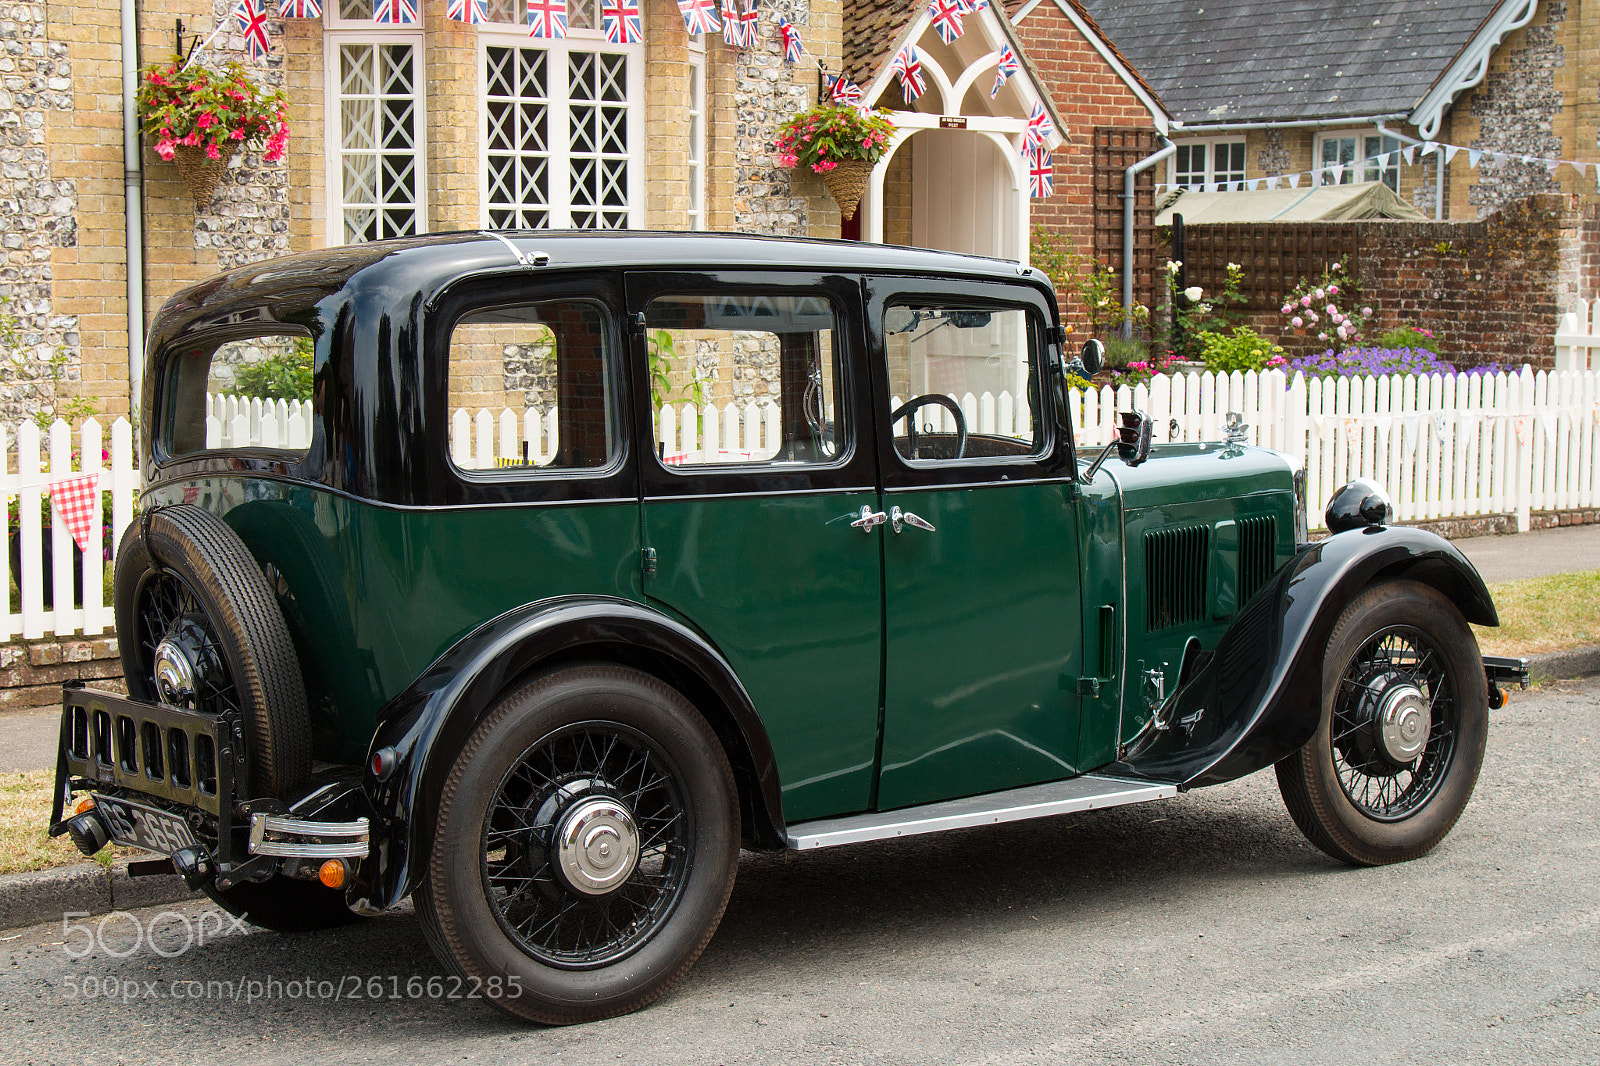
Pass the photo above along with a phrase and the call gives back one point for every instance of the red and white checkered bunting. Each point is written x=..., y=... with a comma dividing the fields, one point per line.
x=77, y=501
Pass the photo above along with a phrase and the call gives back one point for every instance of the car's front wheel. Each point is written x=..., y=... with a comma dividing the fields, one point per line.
x=586, y=845
x=1404, y=722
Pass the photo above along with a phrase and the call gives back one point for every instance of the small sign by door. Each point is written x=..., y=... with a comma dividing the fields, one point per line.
x=952, y=122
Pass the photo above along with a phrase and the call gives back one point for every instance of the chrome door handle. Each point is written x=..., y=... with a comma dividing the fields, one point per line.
x=869, y=519
x=898, y=517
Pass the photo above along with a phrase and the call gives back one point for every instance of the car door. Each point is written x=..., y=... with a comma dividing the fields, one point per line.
x=752, y=509
x=982, y=593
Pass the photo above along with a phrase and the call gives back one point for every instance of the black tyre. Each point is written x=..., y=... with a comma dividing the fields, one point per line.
x=207, y=613
x=1405, y=717
x=586, y=845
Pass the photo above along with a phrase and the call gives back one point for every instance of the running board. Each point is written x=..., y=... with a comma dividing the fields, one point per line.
x=1085, y=793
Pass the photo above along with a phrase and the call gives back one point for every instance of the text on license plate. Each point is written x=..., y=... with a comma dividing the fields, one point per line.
x=144, y=827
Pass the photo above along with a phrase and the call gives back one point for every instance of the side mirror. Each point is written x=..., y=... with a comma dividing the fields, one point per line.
x=1090, y=360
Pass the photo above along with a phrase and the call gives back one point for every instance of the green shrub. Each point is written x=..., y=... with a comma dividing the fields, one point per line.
x=1408, y=337
x=284, y=375
x=1243, y=349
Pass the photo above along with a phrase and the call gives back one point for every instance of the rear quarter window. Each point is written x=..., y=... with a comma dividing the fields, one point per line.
x=239, y=393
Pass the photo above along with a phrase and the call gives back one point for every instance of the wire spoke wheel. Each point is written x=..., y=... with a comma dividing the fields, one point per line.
x=585, y=846
x=576, y=907
x=1380, y=785
x=1405, y=720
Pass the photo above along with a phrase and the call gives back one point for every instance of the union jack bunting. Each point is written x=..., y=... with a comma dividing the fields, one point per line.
x=732, y=25
x=1040, y=128
x=752, y=24
x=908, y=65
x=300, y=9
x=1041, y=179
x=1007, y=66
x=699, y=16
x=547, y=19
x=946, y=18
x=844, y=92
x=620, y=20
x=394, y=12
x=252, y=22
x=792, y=48
x=472, y=12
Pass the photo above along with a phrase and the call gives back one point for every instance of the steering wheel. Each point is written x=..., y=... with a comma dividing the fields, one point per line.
x=947, y=403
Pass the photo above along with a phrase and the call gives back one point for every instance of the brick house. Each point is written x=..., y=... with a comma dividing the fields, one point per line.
x=1460, y=108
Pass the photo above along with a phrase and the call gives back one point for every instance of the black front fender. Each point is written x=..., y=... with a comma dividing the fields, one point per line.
x=1259, y=697
x=424, y=727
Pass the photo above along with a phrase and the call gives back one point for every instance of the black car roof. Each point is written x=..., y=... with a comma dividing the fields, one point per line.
x=410, y=268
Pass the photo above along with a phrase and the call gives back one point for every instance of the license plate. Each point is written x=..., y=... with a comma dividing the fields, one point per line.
x=144, y=827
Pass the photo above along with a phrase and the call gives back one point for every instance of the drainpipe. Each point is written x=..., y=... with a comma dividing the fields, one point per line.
x=1129, y=176
x=1438, y=171
x=133, y=205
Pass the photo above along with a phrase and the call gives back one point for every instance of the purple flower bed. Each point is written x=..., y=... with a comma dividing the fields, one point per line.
x=1359, y=362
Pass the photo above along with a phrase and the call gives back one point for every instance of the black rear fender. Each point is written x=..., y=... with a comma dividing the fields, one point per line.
x=1259, y=696
x=424, y=727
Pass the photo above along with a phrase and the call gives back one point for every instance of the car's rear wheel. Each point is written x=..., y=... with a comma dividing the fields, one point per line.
x=1404, y=724
x=200, y=629
x=586, y=845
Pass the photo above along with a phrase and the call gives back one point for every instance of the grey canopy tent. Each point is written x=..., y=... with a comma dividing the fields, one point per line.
x=1321, y=203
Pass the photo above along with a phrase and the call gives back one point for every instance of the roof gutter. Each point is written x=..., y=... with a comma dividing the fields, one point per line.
x=1295, y=124
x=1129, y=176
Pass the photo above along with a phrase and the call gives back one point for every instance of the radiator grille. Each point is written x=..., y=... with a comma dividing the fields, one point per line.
x=1175, y=576
x=1257, y=540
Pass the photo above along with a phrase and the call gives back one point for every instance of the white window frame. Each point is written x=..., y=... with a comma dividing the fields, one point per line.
x=1210, y=145
x=1367, y=164
x=502, y=35
x=697, y=133
x=337, y=32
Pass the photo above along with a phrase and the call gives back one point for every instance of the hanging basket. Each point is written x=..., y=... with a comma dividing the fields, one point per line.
x=847, y=181
x=201, y=174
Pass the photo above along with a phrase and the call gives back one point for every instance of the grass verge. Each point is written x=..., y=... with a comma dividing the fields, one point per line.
x=25, y=841
x=1542, y=614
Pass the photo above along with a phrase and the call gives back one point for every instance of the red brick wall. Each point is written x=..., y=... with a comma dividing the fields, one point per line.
x=1088, y=94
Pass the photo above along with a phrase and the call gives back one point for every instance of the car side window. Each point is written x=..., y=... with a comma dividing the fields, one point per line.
x=531, y=388
x=240, y=392
x=963, y=382
x=744, y=380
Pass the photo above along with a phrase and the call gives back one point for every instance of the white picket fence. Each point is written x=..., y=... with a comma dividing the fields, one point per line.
x=27, y=470
x=1443, y=447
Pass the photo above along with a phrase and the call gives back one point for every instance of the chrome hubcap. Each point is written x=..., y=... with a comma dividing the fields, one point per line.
x=1403, y=723
x=174, y=674
x=597, y=845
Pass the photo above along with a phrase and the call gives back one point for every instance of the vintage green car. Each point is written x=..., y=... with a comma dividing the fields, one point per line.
x=499, y=629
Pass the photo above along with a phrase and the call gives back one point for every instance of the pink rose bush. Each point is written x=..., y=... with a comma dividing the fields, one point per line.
x=197, y=107
x=1312, y=302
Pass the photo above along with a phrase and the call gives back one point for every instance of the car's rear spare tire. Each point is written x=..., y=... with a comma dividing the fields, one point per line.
x=198, y=627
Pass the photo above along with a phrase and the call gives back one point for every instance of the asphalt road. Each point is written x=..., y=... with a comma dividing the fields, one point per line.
x=1199, y=930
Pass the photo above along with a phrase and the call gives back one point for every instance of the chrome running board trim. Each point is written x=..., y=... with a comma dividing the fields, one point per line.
x=1085, y=793
x=327, y=840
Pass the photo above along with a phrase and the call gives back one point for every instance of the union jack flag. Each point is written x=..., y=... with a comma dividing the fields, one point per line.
x=752, y=23
x=908, y=65
x=547, y=19
x=946, y=16
x=732, y=25
x=252, y=22
x=1007, y=66
x=699, y=16
x=394, y=12
x=844, y=92
x=1040, y=128
x=472, y=12
x=792, y=48
x=620, y=19
x=1041, y=178
x=300, y=9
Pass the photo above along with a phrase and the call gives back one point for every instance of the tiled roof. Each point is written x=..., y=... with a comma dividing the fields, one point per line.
x=871, y=29
x=1254, y=60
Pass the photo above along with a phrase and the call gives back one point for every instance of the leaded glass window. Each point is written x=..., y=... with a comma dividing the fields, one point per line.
x=379, y=182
